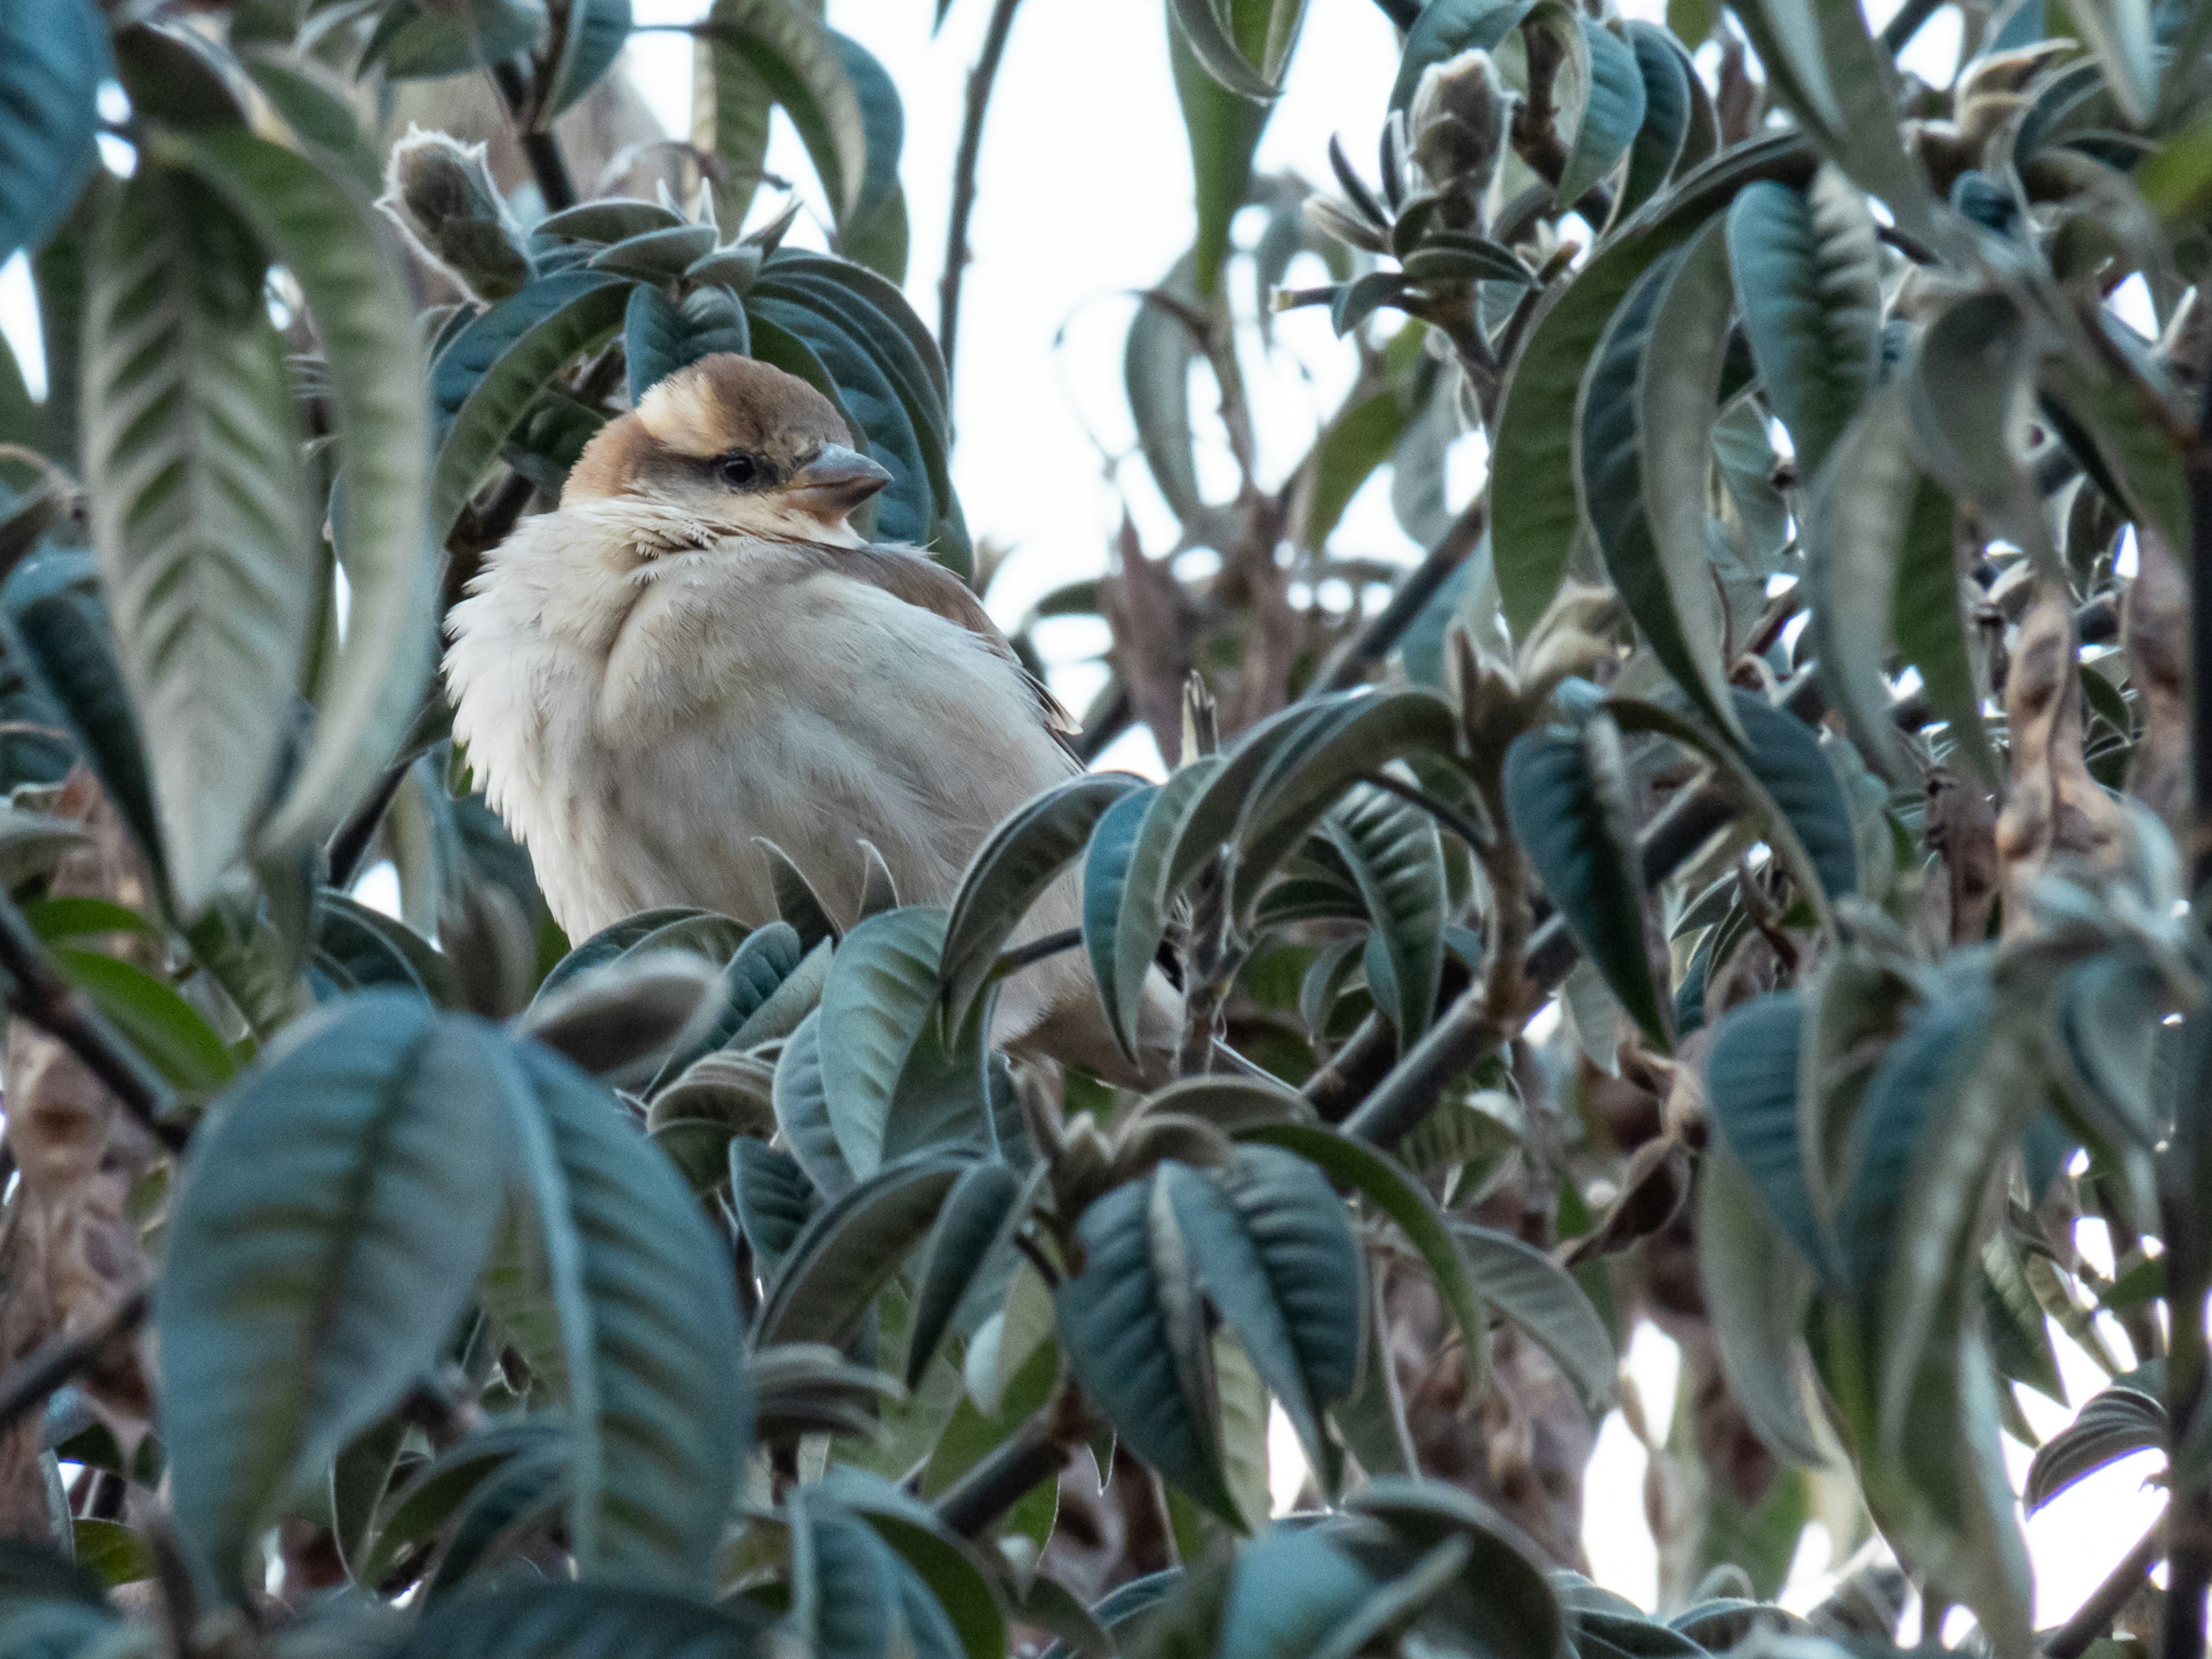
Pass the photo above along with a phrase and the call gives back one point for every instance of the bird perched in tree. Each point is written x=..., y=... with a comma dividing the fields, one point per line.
x=697, y=652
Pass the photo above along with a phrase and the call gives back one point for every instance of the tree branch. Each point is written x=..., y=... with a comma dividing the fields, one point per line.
x=1374, y=642
x=36, y=992
x=27, y=1384
x=540, y=148
x=1032, y=1453
x=979, y=80
x=2094, y=1616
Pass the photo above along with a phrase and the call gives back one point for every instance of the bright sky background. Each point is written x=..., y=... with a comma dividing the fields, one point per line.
x=1085, y=194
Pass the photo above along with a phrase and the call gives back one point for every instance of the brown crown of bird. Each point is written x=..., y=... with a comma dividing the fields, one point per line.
x=696, y=653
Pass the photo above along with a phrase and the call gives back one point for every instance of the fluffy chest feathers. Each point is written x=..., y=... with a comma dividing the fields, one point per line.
x=640, y=701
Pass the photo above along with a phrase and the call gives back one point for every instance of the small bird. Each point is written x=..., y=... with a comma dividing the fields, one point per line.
x=697, y=652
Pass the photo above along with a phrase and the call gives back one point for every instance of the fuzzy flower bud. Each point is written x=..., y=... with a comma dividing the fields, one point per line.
x=1458, y=122
x=440, y=191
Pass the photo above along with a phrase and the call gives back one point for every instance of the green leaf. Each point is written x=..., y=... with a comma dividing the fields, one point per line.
x=1968, y=401
x=1288, y=1594
x=1808, y=277
x=1396, y=857
x=200, y=517
x=802, y=1108
x=1357, y=442
x=1642, y=458
x=853, y=1596
x=1446, y=28
x=1134, y=1336
x=1757, y=1289
x=2114, y=416
x=1534, y=525
x=2120, y=32
x=174, y=1036
x=1126, y=890
x=876, y=233
x=2123, y=1419
x=1385, y=1183
x=649, y=1373
x=339, y=1205
x=947, y=1564
x=1612, y=112
x=660, y=336
x=1855, y=528
x=1670, y=111
x=1501, y=1604
x=1751, y=1071
x=1273, y=1251
x=969, y=1231
x=58, y=631
x=489, y=378
x=1542, y=1298
x=772, y=1198
x=1224, y=45
x=592, y=35
x=1836, y=79
x=1010, y=870
x=1294, y=779
x=849, y=1251
x=795, y=57
x=1223, y=130
x=1566, y=797
x=908, y=509
x=1156, y=363
x=612, y=942
x=576, y=1621
x=416, y=40
x=321, y=228
x=52, y=59
x=881, y=989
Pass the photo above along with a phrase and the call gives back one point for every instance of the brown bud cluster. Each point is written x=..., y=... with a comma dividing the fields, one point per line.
x=440, y=192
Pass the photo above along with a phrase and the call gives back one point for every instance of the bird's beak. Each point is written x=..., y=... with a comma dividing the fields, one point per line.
x=836, y=482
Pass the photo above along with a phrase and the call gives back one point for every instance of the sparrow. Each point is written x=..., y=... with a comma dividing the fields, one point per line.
x=697, y=653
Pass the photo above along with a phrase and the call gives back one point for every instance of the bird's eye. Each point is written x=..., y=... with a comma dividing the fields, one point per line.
x=738, y=471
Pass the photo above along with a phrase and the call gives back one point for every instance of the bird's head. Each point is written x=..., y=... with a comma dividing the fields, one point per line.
x=736, y=446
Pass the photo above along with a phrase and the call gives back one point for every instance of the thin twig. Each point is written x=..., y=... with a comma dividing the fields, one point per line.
x=27, y=1384
x=2094, y=1616
x=539, y=146
x=1032, y=1453
x=1897, y=33
x=979, y=80
x=37, y=990
x=1374, y=642
x=351, y=843
x=1024, y=956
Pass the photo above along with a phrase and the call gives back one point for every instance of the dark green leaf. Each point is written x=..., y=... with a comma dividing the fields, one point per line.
x=848, y=1252
x=773, y=1198
x=1223, y=130
x=1542, y=1298
x=660, y=336
x=1808, y=277
x=200, y=515
x=1385, y=1184
x=174, y=1036
x=415, y=39
x=2123, y=1418
x=577, y=1621
x=881, y=989
x=1668, y=113
x=795, y=57
x=488, y=378
x=802, y=1108
x=1758, y=1288
x=337, y=1212
x=1446, y=28
x=1534, y=524
x=1010, y=870
x=1641, y=460
x=649, y=1369
x=969, y=1230
x=592, y=35
x=53, y=56
x=1565, y=796
x=1396, y=857
x=1612, y=113
x=321, y=228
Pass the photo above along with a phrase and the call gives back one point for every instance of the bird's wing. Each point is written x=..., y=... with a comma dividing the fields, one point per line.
x=921, y=580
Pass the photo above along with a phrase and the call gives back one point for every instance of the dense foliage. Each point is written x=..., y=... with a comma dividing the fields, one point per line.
x=1797, y=727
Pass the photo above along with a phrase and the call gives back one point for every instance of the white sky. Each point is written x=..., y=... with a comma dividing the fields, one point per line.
x=1085, y=193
